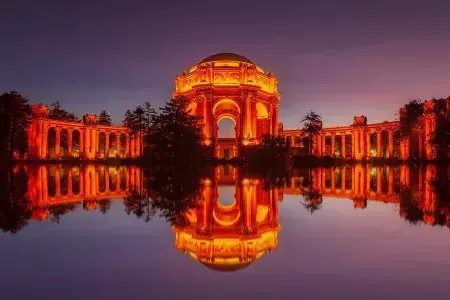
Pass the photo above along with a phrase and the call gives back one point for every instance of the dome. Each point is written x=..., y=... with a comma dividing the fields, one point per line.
x=226, y=57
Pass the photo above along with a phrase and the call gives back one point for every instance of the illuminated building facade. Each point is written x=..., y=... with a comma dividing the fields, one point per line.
x=363, y=141
x=81, y=139
x=228, y=85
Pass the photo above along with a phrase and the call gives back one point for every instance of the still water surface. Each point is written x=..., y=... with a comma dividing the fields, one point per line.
x=350, y=232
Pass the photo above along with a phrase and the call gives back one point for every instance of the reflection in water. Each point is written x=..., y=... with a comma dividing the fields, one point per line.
x=222, y=234
x=230, y=237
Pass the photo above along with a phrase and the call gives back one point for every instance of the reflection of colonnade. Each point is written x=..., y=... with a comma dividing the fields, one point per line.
x=55, y=185
x=82, y=139
x=228, y=237
x=386, y=184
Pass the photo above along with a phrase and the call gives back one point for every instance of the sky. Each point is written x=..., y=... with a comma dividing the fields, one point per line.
x=338, y=58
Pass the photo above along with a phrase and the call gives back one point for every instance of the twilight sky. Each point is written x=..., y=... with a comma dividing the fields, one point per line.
x=339, y=58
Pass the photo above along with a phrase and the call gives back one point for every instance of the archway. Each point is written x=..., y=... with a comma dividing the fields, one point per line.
x=226, y=133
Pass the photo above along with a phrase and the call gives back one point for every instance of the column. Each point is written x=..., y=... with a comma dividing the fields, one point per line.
x=132, y=147
x=107, y=180
x=391, y=144
x=138, y=145
x=362, y=143
x=44, y=141
x=333, y=144
x=253, y=120
x=324, y=149
x=87, y=143
x=58, y=142
x=127, y=145
x=343, y=170
x=368, y=145
x=379, y=147
x=356, y=133
x=353, y=144
x=333, y=179
x=118, y=145
x=343, y=145
x=206, y=118
x=107, y=144
x=82, y=152
x=69, y=141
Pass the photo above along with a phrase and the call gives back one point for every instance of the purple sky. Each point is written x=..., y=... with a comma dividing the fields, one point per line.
x=339, y=58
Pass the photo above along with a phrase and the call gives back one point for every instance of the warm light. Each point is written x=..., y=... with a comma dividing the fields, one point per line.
x=245, y=142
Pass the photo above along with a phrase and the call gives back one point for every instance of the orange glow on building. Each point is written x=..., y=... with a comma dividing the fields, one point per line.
x=118, y=142
x=230, y=85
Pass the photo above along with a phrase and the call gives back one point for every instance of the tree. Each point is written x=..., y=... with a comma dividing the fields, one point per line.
x=15, y=118
x=139, y=122
x=58, y=113
x=312, y=124
x=176, y=135
x=104, y=118
x=441, y=136
x=410, y=119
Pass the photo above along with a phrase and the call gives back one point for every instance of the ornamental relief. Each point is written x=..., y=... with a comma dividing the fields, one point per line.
x=226, y=78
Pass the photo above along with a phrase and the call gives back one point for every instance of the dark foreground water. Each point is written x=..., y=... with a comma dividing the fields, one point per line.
x=108, y=233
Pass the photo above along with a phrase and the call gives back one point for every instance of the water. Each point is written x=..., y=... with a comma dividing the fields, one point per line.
x=349, y=232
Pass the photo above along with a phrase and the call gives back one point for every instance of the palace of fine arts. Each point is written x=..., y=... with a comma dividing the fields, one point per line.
x=231, y=86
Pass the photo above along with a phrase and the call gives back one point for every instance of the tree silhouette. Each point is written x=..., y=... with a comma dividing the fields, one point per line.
x=312, y=124
x=58, y=113
x=175, y=135
x=15, y=118
x=104, y=118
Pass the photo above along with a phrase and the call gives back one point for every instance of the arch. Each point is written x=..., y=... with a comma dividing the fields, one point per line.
x=261, y=111
x=227, y=103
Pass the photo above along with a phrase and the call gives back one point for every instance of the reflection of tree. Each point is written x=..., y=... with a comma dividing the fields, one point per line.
x=104, y=205
x=169, y=192
x=15, y=207
x=410, y=205
x=312, y=198
x=57, y=211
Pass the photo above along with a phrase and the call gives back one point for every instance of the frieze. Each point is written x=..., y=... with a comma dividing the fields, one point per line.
x=226, y=78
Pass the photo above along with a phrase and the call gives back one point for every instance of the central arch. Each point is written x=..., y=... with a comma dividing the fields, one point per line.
x=226, y=109
x=230, y=85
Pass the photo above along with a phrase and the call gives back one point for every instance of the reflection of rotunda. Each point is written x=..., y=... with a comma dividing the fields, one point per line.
x=228, y=237
x=230, y=86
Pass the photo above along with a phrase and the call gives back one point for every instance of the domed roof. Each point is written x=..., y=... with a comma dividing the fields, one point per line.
x=226, y=56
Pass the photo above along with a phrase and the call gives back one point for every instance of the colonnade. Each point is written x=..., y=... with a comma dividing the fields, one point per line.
x=88, y=134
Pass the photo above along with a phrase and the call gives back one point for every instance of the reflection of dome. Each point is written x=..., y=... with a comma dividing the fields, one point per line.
x=226, y=57
x=227, y=253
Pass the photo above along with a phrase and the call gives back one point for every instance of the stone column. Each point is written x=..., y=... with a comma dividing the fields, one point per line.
x=107, y=144
x=343, y=145
x=333, y=179
x=127, y=145
x=333, y=144
x=87, y=143
x=391, y=143
x=118, y=145
x=379, y=147
x=343, y=178
x=69, y=141
x=362, y=144
x=356, y=133
x=44, y=141
x=253, y=119
x=353, y=144
x=58, y=141
x=138, y=145
x=132, y=147
x=324, y=148
x=368, y=145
